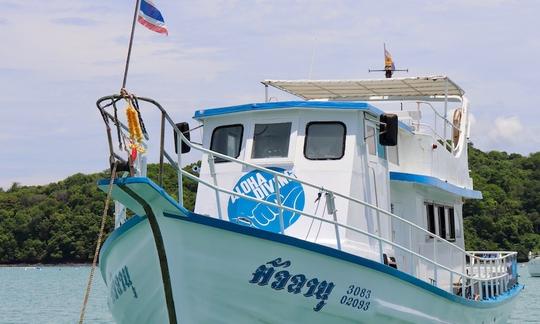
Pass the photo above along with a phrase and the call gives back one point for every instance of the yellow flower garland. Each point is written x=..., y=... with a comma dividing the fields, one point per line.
x=135, y=131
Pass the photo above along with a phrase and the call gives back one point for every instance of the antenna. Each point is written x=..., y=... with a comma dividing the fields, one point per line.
x=389, y=67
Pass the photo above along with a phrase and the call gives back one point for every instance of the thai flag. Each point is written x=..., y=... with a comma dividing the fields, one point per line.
x=151, y=18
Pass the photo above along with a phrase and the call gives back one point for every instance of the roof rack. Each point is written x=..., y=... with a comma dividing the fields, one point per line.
x=430, y=88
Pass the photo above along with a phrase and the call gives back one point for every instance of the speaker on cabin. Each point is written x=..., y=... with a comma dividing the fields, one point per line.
x=388, y=133
x=184, y=128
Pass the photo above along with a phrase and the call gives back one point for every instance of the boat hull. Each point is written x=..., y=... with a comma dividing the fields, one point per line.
x=534, y=267
x=226, y=273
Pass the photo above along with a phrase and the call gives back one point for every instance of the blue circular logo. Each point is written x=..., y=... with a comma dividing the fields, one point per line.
x=262, y=185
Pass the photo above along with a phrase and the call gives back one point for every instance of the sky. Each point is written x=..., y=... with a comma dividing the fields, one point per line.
x=59, y=57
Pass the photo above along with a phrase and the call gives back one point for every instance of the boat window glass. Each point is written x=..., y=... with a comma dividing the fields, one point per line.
x=271, y=140
x=442, y=222
x=381, y=150
x=452, y=223
x=325, y=141
x=370, y=140
x=227, y=140
x=430, y=211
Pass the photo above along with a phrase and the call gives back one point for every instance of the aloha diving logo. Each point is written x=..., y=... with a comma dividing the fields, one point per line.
x=261, y=185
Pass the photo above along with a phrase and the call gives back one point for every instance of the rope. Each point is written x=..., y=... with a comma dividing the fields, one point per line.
x=100, y=238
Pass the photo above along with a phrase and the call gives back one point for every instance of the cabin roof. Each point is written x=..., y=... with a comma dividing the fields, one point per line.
x=202, y=114
x=212, y=112
x=411, y=88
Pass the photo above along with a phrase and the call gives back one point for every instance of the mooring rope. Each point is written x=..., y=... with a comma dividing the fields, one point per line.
x=98, y=245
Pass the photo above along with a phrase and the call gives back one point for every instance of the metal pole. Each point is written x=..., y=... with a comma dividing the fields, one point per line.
x=180, y=180
x=137, y=3
x=435, y=260
x=411, y=248
x=331, y=209
x=265, y=92
x=278, y=200
x=162, y=150
x=214, y=179
x=445, y=109
x=451, y=282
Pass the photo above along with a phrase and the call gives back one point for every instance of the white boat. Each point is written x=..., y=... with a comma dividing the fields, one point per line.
x=345, y=207
x=534, y=265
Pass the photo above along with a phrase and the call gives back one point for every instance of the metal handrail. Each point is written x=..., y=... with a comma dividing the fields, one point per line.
x=464, y=108
x=212, y=155
x=275, y=173
x=436, y=113
x=501, y=279
x=436, y=135
x=446, y=122
x=357, y=230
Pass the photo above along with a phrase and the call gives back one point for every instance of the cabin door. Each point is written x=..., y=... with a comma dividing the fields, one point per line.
x=378, y=180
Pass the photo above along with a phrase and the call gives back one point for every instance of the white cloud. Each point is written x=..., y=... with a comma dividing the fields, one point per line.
x=61, y=56
x=507, y=130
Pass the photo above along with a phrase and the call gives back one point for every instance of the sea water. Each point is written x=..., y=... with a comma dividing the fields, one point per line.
x=55, y=294
x=527, y=306
x=51, y=295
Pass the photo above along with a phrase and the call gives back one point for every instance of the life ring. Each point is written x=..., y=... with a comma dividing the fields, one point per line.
x=456, y=122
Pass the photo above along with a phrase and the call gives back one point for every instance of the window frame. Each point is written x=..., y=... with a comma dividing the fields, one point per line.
x=220, y=160
x=272, y=158
x=447, y=221
x=326, y=122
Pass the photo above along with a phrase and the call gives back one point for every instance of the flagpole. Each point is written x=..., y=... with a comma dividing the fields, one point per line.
x=137, y=4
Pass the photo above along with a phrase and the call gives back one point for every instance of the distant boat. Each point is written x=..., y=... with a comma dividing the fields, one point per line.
x=325, y=210
x=534, y=264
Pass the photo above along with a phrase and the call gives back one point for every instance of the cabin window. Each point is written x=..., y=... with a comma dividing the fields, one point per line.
x=370, y=140
x=381, y=150
x=271, y=140
x=447, y=226
x=325, y=141
x=227, y=140
x=452, y=223
x=431, y=218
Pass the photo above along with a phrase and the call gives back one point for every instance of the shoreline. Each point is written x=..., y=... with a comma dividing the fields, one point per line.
x=44, y=265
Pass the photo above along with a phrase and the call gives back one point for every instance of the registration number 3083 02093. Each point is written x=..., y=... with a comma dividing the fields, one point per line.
x=356, y=297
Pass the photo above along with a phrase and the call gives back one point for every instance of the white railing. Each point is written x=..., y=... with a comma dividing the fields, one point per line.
x=432, y=128
x=481, y=276
x=492, y=267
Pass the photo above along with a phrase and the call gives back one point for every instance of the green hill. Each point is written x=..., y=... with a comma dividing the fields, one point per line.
x=508, y=217
x=59, y=222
